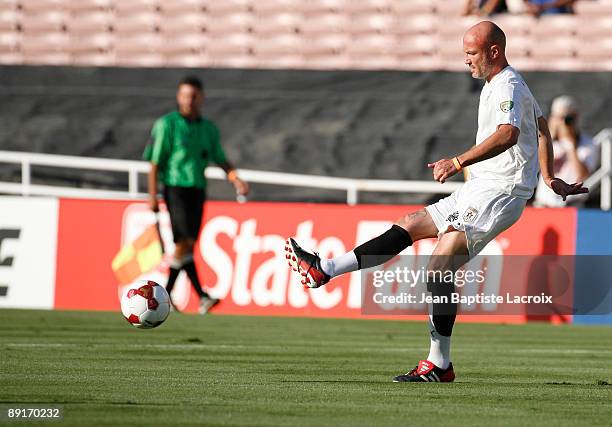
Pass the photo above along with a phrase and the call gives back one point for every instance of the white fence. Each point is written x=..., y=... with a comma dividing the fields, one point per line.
x=352, y=187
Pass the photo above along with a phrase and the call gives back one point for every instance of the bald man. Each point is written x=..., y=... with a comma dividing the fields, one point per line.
x=512, y=134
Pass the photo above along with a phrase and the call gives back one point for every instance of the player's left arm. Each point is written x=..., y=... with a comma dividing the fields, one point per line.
x=546, y=155
x=501, y=140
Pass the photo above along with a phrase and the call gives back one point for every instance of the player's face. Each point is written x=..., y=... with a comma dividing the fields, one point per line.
x=477, y=58
x=189, y=100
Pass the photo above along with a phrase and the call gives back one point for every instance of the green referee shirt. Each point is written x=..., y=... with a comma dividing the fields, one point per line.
x=183, y=148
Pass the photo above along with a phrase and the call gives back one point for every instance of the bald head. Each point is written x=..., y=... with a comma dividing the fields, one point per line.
x=487, y=34
x=485, y=47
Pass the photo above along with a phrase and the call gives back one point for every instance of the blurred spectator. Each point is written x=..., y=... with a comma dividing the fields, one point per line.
x=544, y=7
x=576, y=155
x=484, y=7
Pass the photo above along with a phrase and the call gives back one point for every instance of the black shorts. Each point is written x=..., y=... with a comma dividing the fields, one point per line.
x=185, y=206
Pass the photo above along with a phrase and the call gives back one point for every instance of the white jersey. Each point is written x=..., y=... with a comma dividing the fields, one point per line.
x=506, y=99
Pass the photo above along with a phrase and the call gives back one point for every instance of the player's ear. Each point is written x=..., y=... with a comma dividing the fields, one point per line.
x=494, y=51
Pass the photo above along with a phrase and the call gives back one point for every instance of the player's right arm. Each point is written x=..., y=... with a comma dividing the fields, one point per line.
x=546, y=155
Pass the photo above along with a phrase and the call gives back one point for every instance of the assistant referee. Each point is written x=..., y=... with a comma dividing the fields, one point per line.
x=181, y=147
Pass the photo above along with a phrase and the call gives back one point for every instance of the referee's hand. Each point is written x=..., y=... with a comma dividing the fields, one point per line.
x=443, y=169
x=153, y=204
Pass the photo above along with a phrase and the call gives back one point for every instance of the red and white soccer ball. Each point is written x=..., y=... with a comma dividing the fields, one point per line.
x=145, y=304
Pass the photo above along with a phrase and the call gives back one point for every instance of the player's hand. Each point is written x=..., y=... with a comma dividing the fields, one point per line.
x=153, y=204
x=242, y=187
x=443, y=169
x=564, y=189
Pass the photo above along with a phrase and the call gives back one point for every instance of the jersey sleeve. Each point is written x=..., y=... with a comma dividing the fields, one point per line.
x=218, y=155
x=508, y=105
x=160, y=142
x=538, y=110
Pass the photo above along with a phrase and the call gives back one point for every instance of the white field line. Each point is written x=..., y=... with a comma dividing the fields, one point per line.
x=282, y=347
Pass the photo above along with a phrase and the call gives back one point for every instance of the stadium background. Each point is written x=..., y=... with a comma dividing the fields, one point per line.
x=368, y=89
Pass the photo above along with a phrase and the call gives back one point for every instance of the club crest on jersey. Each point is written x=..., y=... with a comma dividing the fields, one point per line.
x=506, y=106
x=470, y=215
x=453, y=217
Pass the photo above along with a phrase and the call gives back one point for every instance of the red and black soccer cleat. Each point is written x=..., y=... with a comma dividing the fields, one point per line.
x=306, y=263
x=427, y=372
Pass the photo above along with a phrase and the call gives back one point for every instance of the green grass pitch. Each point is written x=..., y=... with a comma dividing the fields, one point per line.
x=260, y=371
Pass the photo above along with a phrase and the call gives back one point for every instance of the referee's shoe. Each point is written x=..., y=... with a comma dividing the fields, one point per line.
x=306, y=263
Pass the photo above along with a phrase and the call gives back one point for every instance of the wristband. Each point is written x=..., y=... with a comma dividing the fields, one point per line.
x=232, y=176
x=457, y=164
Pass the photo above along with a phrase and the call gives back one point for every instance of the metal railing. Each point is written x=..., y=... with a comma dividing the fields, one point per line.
x=352, y=187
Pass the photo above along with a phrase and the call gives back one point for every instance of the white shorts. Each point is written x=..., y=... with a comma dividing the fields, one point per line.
x=479, y=209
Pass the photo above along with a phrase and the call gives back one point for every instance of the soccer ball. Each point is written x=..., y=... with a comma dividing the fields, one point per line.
x=145, y=304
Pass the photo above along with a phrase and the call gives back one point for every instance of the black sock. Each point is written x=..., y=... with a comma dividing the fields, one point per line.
x=382, y=248
x=191, y=271
x=443, y=314
x=174, y=272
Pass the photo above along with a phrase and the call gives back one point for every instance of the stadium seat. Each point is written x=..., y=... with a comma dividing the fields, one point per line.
x=275, y=7
x=593, y=8
x=228, y=24
x=83, y=44
x=371, y=24
x=181, y=7
x=408, y=24
x=226, y=46
x=318, y=7
x=99, y=59
x=83, y=6
x=552, y=26
x=324, y=24
x=411, y=47
x=135, y=7
x=367, y=7
x=189, y=23
x=144, y=43
x=450, y=9
x=41, y=6
x=140, y=60
x=46, y=58
x=222, y=7
x=44, y=43
x=283, y=23
x=589, y=28
x=136, y=23
x=89, y=22
x=407, y=7
x=10, y=20
x=276, y=45
x=44, y=22
x=278, y=52
x=9, y=5
x=455, y=28
x=515, y=25
x=552, y=47
x=10, y=42
x=181, y=45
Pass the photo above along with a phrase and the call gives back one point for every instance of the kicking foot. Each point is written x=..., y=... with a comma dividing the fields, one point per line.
x=306, y=263
x=425, y=372
x=206, y=304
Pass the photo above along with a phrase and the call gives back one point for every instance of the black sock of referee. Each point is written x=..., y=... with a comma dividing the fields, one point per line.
x=382, y=248
x=175, y=269
x=190, y=269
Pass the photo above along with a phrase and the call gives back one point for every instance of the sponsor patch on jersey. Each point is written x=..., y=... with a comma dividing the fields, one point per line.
x=470, y=215
x=506, y=106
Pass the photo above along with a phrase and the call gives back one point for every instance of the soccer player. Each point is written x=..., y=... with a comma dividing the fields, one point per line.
x=512, y=134
x=182, y=144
